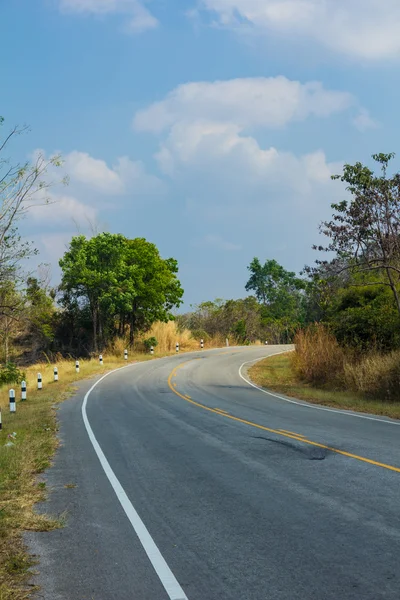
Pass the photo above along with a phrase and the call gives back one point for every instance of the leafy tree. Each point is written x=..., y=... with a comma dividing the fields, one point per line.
x=156, y=289
x=271, y=283
x=39, y=314
x=364, y=232
x=125, y=284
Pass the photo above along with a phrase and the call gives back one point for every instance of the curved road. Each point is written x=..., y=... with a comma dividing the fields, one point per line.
x=210, y=489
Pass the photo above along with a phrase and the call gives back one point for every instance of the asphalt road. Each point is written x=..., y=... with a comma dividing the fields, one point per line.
x=218, y=491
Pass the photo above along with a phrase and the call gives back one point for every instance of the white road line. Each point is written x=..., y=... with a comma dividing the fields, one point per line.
x=160, y=566
x=304, y=405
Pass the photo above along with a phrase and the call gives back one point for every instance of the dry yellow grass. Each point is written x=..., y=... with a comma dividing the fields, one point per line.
x=278, y=374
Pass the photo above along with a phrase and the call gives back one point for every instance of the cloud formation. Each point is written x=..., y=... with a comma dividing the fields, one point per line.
x=139, y=17
x=361, y=29
x=213, y=127
x=236, y=185
x=248, y=102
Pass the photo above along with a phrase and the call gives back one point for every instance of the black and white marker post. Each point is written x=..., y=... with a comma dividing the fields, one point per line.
x=125, y=354
x=39, y=381
x=151, y=350
x=23, y=390
x=1, y=424
x=202, y=344
x=77, y=366
x=177, y=346
x=13, y=406
x=55, y=374
x=101, y=360
x=266, y=343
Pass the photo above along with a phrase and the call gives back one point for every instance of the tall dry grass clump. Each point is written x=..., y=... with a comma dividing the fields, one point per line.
x=375, y=375
x=320, y=361
x=318, y=358
x=168, y=334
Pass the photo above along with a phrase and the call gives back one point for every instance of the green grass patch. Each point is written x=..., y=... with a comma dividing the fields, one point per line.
x=277, y=374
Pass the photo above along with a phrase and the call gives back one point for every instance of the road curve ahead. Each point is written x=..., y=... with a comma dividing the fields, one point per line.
x=184, y=482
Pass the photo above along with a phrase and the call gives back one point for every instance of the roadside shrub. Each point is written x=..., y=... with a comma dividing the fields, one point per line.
x=375, y=375
x=318, y=358
x=151, y=341
x=9, y=373
x=200, y=334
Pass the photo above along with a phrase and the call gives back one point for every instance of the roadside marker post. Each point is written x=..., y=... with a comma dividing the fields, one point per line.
x=177, y=346
x=39, y=381
x=125, y=354
x=1, y=424
x=227, y=343
x=266, y=343
x=55, y=374
x=77, y=366
x=101, y=360
x=202, y=344
x=151, y=350
x=13, y=406
x=23, y=390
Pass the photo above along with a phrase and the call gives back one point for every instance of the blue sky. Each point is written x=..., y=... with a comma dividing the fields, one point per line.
x=210, y=127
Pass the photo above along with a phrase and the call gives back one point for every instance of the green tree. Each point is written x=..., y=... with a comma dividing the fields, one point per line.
x=272, y=284
x=39, y=315
x=124, y=283
x=154, y=290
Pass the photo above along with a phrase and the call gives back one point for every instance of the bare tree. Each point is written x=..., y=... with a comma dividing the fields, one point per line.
x=22, y=186
x=364, y=232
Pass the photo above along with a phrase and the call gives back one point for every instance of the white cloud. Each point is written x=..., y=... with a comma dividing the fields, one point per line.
x=62, y=209
x=250, y=102
x=83, y=168
x=210, y=149
x=363, y=29
x=139, y=17
x=363, y=121
x=125, y=177
x=211, y=126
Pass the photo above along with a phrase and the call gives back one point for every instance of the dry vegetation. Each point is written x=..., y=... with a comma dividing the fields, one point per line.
x=320, y=360
x=30, y=451
x=321, y=372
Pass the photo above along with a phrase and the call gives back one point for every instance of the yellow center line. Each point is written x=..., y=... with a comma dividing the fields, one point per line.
x=225, y=412
x=293, y=436
x=292, y=432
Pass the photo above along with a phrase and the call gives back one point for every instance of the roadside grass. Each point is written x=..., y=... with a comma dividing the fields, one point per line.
x=28, y=441
x=278, y=374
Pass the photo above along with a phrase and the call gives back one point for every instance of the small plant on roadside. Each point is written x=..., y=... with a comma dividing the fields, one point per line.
x=152, y=341
x=9, y=373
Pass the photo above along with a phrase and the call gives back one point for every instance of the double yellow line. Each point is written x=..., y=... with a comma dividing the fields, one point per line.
x=284, y=433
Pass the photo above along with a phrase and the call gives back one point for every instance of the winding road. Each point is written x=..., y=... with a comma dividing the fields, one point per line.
x=182, y=481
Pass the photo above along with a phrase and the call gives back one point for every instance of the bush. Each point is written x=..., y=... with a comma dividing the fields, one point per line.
x=376, y=376
x=200, y=334
x=318, y=358
x=9, y=373
x=152, y=341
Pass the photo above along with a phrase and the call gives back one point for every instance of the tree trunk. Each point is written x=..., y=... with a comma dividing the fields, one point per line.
x=94, y=319
x=6, y=341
